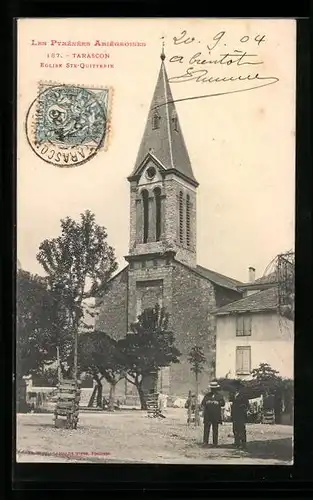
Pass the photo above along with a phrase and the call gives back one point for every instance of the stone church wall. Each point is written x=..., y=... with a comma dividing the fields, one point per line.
x=192, y=301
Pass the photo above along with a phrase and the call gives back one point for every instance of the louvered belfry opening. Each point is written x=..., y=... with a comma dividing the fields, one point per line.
x=157, y=197
x=188, y=220
x=181, y=218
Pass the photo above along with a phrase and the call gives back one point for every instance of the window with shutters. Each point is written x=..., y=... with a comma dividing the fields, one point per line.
x=243, y=360
x=243, y=325
x=181, y=218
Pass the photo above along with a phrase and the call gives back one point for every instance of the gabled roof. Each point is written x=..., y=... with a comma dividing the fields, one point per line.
x=266, y=300
x=219, y=279
x=165, y=142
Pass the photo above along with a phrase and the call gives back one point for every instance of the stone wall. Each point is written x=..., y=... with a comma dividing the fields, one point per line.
x=192, y=302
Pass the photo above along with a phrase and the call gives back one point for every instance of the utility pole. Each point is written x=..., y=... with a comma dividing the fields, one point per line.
x=59, y=365
x=75, y=353
x=197, y=418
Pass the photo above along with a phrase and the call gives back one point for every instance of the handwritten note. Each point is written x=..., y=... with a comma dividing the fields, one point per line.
x=220, y=59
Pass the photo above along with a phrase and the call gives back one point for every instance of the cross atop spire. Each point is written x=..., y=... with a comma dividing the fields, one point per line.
x=162, y=53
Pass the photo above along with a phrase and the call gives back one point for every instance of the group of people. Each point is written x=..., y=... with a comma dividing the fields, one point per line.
x=212, y=405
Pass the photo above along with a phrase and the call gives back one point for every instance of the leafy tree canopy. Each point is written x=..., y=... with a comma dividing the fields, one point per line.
x=99, y=354
x=39, y=324
x=197, y=359
x=150, y=344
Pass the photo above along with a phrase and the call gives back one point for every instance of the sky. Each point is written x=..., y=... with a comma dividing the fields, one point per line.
x=241, y=144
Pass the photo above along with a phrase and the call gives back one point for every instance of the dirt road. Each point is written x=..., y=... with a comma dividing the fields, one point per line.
x=131, y=436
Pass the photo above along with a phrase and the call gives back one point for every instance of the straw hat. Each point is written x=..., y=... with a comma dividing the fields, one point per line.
x=214, y=385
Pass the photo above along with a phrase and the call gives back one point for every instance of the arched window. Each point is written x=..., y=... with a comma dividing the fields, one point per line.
x=157, y=197
x=155, y=120
x=188, y=220
x=181, y=218
x=145, y=200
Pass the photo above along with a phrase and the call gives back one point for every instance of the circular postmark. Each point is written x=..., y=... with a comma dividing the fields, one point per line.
x=66, y=124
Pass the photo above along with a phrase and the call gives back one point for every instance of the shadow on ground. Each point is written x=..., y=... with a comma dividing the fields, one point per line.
x=277, y=449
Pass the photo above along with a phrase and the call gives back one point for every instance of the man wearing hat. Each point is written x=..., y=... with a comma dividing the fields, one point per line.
x=211, y=405
x=239, y=408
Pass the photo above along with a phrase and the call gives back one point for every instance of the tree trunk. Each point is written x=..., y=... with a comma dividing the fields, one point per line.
x=142, y=398
x=99, y=394
x=197, y=417
x=112, y=396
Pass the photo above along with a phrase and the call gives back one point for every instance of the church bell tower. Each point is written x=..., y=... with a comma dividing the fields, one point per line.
x=162, y=214
x=162, y=185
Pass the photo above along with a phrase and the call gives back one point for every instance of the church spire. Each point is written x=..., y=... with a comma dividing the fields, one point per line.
x=162, y=136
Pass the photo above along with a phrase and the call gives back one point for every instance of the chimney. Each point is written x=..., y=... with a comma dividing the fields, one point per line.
x=251, y=274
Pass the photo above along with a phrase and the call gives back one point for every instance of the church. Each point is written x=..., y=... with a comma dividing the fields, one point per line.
x=162, y=256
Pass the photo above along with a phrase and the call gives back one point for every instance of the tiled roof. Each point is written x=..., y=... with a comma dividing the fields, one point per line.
x=265, y=300
x=166, y=141
x=219, y=279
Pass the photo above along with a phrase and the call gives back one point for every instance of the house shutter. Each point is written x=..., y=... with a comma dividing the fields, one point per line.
x=246, y=360
x=247, y=325
x=239, y=325
x=243, y=359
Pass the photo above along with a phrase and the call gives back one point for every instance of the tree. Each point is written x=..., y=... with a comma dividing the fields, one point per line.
x=100, y=356
x=39, y=325
x=197, y=361
x=266, y=378
x=148, y=347
x=79, y=264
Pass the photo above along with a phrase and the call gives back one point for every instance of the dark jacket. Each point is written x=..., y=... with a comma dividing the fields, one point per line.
x=211, y=405
x=239, y=408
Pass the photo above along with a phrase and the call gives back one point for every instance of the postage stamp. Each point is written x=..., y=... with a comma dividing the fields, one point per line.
x=67, y=125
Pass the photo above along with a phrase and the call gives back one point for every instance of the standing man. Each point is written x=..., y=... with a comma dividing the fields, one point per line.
x=240, y=405
x=211, y=405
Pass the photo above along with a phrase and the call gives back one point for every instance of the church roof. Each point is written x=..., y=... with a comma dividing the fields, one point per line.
x=165, y=141
x=219, y=279
x=266, y=300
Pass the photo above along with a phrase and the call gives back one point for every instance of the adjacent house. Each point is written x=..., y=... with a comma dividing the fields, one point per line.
x=250, y=331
